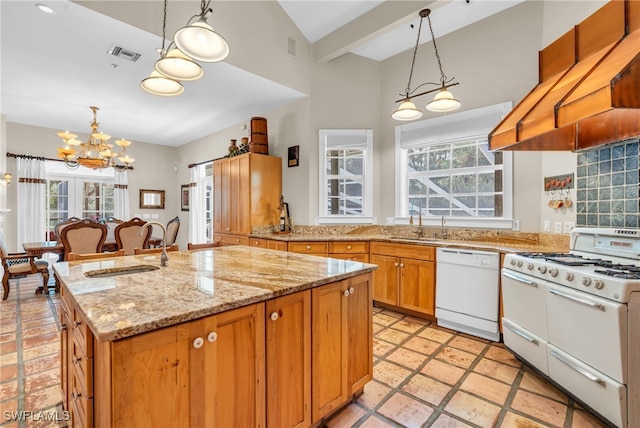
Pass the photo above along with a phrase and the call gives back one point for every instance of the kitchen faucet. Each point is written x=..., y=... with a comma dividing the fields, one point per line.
x=443, y=234
x=164, y=258
x=420, y=230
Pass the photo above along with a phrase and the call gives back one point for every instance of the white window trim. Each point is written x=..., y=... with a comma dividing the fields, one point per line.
x=368, y=217
x=504, y=222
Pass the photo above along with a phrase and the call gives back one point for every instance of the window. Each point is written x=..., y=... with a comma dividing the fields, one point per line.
x=447, y=171
x=77, y=193
x=345, y=176
x=208, y=201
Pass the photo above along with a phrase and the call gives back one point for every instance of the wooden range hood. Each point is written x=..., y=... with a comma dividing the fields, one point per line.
x=589, y=87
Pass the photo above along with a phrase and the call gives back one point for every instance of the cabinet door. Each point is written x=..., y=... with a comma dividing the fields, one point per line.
x=221, y=196
x=277, y=245
x=66, y=365
x=288, y=349
x=329, y=348
x=385, y=279
x=417, y=286
x=239, y=194
x=360, y=332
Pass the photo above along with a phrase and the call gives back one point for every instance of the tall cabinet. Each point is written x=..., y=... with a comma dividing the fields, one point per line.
x=246, y=193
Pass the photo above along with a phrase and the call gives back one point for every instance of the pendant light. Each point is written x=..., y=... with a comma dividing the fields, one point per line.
x=443, y=101
x=199, y=40
x=157, y=84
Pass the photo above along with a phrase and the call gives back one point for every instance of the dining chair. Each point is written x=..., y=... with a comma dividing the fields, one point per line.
x=203, y=246
x=57, y=229
x=82, y=237
x=17, y=265
x=111, y=224
x=172, y=231
x=128, y=235
x=173, y=247
x=73, y=256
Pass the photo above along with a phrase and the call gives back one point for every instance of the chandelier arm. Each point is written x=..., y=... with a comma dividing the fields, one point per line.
x=443, y=77
x=204, y=8
x=440, y=87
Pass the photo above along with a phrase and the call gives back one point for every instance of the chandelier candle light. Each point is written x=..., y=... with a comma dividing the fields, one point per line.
x=194, y=41
x=443, y=101
x=96, y=153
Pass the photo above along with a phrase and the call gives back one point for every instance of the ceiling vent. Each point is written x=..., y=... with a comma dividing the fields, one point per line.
x=123, y=53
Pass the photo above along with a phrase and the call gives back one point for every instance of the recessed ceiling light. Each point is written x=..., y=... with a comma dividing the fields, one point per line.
x=44, y=8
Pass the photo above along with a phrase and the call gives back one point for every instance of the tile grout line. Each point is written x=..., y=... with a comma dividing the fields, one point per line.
x=22, y=422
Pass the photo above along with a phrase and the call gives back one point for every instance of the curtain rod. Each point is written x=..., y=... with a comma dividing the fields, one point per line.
x=191, y=165
x=13, y=155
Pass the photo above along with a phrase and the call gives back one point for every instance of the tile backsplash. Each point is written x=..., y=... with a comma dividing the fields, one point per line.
x=607, y=186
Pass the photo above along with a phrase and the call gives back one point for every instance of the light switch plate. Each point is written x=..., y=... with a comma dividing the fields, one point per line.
x=558, y=228
x=568, y=226
x=155, y=215
x=547, y=226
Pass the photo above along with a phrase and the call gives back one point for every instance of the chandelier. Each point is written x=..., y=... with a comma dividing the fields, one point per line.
x=442, y=102
x=195, y=41
x=96, y=153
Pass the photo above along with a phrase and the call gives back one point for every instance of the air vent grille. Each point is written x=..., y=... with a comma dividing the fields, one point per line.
x=123, y=53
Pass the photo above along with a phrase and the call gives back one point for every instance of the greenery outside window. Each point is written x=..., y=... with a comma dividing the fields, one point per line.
x=345, y=176
x=446, y=172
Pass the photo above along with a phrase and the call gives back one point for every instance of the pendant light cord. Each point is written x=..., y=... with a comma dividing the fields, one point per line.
x=164, y=29
x=443, y=77
x=413, y=61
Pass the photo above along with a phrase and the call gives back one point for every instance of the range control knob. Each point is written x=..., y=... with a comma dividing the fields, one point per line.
x=512, y=262
x=530, y=266
x=598, y=284
x=569, y=276
x=553, y=272
x=542, y=269
x=586, y=281
x=519, y=264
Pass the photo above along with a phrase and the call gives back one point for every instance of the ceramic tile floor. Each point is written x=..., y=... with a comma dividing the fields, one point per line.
x=423, y=375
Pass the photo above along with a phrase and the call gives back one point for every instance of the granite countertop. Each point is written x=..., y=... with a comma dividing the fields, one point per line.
x=194, y=285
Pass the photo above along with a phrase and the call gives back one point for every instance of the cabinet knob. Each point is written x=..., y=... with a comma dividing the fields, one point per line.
x=401, y=265
x=198, y=342
x=256, y=243
x=238, y=240
x=76, y=395
x=351, y=290
x=308, y=247
x=76, y=360
x=274, y=316
x=212, y=337
x=396, y=264
x=348, y=247
x=63, y=327
x=346, y=293
x=228, y=229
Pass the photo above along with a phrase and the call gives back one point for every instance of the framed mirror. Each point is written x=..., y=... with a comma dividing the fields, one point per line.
x=151, y=198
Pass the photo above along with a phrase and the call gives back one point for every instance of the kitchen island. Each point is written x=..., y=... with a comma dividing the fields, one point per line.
x=233, y=336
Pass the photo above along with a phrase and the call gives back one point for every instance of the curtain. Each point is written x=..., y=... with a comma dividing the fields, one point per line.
x=31, y=200
x=197, y=205
x=121, y=195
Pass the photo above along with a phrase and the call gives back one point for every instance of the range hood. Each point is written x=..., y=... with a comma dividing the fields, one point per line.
x=589, y=87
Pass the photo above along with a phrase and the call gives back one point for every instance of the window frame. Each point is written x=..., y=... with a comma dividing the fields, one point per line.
x=448, y=130
x=367, y=178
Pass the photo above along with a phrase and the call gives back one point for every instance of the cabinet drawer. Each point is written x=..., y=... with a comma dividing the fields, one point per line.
x=81, y=332
x=82, y=368
x=258, y=242
x=421, y=252
x=277, y=245
x=349, y=247
x=81, y=406
x=225, y=239
x=309, y=247
x=362, y=258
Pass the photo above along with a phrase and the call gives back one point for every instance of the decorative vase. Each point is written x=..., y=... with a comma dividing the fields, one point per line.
x=233, y=148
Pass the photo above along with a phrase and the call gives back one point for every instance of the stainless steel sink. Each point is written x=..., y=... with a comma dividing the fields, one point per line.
x=123, y=270
x=412, y=238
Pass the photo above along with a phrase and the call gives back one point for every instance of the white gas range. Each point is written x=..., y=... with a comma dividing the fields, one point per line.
x=575, y=317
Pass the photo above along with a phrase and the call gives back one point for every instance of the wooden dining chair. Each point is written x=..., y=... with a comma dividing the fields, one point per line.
x=111, y=224
x=128, y=235
x=57, y=229
x=73, y=256
x=204, y=246
x=173, y=247
x=83, y=237
x=172, y=231
x=16, y=265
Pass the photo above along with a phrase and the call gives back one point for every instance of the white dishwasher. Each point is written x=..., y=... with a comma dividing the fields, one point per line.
x=467, y=283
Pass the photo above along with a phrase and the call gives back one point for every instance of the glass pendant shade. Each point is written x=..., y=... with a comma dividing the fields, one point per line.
x=443, y=102
x=200, y=42
x=178, y=66
x=158, y=84
x=407, y=111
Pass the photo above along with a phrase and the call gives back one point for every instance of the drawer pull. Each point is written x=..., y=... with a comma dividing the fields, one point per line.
x=76, y=360
x=198, y=342
x=212, y=337
x=519, y=333
x=580, y=300
x=348, y=247
x=76, y=395
x=518, y=278
x=308, y=247
x=76, y=324
x=63, y=327
x=580, y=370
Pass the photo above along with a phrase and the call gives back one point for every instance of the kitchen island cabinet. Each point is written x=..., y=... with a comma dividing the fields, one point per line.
x=232, y=348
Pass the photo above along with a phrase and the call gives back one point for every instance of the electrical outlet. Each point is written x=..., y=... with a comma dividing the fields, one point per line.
x=558, y=227
x=155, y=215
x=547, y=226
x=515, y=225
x=568, y=226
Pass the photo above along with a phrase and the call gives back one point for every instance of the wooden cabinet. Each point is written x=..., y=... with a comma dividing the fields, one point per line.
x=229, y=239
x=288, y=335
x=208, y=372
x=258, y=242
x=357, y=251
x=341, y=338
x=247, y=191
x=405, y=277
x=314, y=248
x=277, y=245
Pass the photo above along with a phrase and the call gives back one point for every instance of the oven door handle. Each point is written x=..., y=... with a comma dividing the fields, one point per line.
x=580, y=300
x=519, y=333
x=518, y=278
x=580, y=370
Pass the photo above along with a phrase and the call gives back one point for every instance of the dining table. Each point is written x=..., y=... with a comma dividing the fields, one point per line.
x=37, y=249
